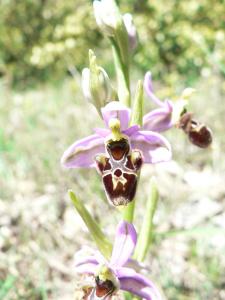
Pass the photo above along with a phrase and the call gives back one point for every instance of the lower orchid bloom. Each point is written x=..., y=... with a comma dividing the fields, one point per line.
x=118, y=152
x=116, y=274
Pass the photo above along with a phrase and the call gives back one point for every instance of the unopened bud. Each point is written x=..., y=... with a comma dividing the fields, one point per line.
x=187, y=93
x=107, y=16
x=131, y=30
x=85, y=82
x=96, y=84
x=111, y=23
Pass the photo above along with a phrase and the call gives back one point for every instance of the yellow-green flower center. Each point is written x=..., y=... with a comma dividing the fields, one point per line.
x=114, y=125
x=105, y=273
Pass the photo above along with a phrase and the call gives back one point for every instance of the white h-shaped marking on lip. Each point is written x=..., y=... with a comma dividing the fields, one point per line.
x=116, y=180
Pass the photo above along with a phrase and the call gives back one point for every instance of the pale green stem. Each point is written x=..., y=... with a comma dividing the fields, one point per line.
x=122, y=73
x=128, y=212
x=137, y=113
x=136, y=119
x=146, y=233
x=98, y=236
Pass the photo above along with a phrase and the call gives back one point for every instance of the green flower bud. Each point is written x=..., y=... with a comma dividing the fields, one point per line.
x=96, y=84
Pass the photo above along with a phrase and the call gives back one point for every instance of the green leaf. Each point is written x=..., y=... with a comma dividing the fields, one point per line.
x=146, y=233
x=195, y=232
x=6, y=286
x=98, y=236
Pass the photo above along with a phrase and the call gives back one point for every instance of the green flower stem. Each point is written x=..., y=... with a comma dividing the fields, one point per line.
x=128, y=212
x=98, y=236
x=122, y=73
x=121, y=38
x=146, y=233
x=137, y=116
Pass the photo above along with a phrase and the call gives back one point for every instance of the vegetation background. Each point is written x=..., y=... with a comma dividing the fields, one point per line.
x=43, y=48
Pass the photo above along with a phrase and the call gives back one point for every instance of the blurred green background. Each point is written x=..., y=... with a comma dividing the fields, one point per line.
x=42, y=111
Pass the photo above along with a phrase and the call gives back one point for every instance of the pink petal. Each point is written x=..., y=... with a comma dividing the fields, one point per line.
x=88, y=264
x=83, y=152
x=103, y=132
x=131, y=130
x=86, y=260
x=149, y=89
x=137, y=284
x=159, y=119
x=117, y=110
x=155, y=148
x=125, y=241
x=88, y=268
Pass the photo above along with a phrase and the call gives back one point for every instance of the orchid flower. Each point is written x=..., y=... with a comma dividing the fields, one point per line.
x=116, y=274
x=169, y=113
x=159, y=119
x=153, y=146
x=118, y=152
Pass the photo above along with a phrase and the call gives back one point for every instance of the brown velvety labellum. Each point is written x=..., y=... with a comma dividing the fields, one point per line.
x=120, y=192
x=119, y=171
x=199, y=134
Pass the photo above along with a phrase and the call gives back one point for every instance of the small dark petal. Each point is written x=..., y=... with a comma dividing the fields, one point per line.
x=137, y=159
x=200, y=136
x=134, y=161
x=108, y=165
x=102, y=163
x=118, y=149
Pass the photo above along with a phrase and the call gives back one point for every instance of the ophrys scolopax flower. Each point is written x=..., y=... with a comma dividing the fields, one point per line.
x=118, y=152
x=119, y=273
